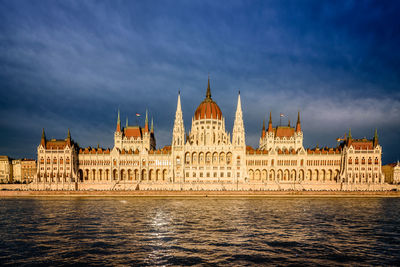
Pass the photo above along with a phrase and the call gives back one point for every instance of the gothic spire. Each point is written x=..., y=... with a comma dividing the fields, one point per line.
x=376, y=137
x=270, y=122
x=146, y=122
x=152, y=126
x=69, y=138
x=263, y=129
x=178, y=134
x=126, y=125
x=238, y=137
x=118, y=122
x=298, y=124
x=43, y=139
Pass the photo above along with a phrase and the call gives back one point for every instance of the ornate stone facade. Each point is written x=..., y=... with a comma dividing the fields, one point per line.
x=208, y=158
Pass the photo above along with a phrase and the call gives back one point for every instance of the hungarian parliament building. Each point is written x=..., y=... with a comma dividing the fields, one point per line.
x=209, y=158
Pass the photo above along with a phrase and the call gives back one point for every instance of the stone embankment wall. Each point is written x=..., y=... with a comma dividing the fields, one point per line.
x=201, y=187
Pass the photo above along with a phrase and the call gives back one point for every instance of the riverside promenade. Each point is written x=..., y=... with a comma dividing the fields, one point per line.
x=150, y=193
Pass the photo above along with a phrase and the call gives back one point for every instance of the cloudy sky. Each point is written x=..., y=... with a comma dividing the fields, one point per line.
x=72, y=64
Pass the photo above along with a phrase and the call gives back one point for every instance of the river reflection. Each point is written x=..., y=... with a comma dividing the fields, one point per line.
x=216, y=231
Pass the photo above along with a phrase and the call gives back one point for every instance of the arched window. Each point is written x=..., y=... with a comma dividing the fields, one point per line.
x=363, y=160
x=350, y=160
x=228, y=158
x=61, y=161
x=356, y=161
x=67, y=160
x=238, y=160
x=54, y=160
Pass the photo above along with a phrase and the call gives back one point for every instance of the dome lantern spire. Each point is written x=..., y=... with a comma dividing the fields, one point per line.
x=208, y=93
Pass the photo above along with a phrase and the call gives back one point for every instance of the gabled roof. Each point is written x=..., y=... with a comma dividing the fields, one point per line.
x=284, y=131
x=133, y=131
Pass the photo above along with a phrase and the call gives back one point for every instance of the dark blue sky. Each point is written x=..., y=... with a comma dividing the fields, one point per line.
x=71, y=64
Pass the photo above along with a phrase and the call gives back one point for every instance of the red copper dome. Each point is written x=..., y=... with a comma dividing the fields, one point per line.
x=208, y=109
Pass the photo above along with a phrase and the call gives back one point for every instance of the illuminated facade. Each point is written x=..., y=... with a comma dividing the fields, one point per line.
x=209, y=158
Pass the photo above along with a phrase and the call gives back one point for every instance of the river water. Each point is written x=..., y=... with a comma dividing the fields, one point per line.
x=199, y=231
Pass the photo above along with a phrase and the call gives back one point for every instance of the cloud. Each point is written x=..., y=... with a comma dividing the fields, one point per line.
x=73, y=64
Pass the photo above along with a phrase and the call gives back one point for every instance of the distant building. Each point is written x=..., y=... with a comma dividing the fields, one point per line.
x=207, y=157
x=396, y=173
x=28, y=170
x=16, y=166
x=6, y=169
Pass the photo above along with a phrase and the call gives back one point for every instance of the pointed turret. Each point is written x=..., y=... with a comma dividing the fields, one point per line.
x=69, y=138
x=349, y=138
x=146, y=122
x=376, y=138
x=152, y=126
x=263, y=130
x=270, y=123
x=288, y=123
x=43, y=139
x=298, y=124
x=118, y=123
x=126, y=125
x=238, y=135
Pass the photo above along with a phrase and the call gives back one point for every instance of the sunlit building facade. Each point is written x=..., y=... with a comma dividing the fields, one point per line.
x=210, y=158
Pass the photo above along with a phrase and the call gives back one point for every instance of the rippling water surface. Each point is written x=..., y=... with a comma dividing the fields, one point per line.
x=204, y=231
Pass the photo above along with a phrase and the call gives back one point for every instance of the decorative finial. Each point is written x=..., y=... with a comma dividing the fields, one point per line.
x=69, y=134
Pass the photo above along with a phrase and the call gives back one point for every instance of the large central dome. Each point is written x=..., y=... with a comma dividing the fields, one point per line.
x=208, y=109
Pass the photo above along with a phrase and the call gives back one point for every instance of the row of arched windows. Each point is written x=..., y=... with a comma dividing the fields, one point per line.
x=55, y=161
x=363, y=161
x=209, y=158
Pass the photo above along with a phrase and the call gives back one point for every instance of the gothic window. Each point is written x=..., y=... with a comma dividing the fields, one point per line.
x=67, y=160
x=369, y=160
x=41, y=160
x=350, y=160
x=201, y=158
x=356, y=161
x=208, y=158
x=61, y=161
x=363, y=161
x=54, y=160
x=238, y=160
x=228, y=158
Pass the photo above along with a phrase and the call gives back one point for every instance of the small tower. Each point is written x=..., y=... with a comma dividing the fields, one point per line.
x=68, y=138
x=298, y=124
x=349, y=138
x=146, y=123
x=270, y=129
x=375, y=139
x=118, y=123
x=263, y=130
x=118, y=133
x=43, y=139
